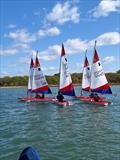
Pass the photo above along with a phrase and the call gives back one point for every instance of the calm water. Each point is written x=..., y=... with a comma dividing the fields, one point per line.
x=78, y=132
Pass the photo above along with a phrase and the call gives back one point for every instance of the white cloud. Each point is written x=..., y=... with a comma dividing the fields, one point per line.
x=51, y=53
x=22, y=35
x=47, y=57
x=9, y=51
x=21, y=46
x=72, y=46
x=14, y=49
x=105, y=7
x=49, y=70
x=109, y=38
x=75, y=46
x=54, y=31
x=109, y=59
x=3, y=74
x=62, y=13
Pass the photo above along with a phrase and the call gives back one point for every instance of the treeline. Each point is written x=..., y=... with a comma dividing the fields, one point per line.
x=113, y=78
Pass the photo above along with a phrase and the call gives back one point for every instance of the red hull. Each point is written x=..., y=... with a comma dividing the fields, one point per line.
x=36, y=99
x=88, y=98
x=92, y=101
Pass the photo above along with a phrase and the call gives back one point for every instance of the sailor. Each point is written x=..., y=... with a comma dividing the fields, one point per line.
x=91, y=95
x=96, y=97
x=41, y=96
x=60, y=97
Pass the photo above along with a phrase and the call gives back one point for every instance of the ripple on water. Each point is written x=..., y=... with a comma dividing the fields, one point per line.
x=79, y=132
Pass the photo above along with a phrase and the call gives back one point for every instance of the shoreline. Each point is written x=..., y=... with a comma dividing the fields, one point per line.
x=49, y=86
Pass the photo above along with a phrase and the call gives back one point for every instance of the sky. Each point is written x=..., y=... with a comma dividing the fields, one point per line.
x=30, y=25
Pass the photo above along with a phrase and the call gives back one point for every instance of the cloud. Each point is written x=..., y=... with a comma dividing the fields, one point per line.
x=47, y=57
x=7, y=52
x=76, y=46
x=50, y=70
x=22, y=35
x=3, y=73
x=109, y=59
x=109, y=38
x=105, y=7
x=72, y=46
x=51, y=53
x=54, y=31
x=62, y=13
x=14, y=49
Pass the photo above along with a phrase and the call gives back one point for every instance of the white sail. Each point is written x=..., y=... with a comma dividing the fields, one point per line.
x=99, y=82
x=66, y=86
x=86, y=75
x=39, y=83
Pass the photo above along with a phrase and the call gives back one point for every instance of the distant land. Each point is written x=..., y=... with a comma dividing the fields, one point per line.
x=113, y=78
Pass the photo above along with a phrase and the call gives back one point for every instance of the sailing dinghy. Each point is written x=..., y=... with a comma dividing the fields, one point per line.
x=97, y=82
x=37, y=82
x=85, y=78
x=65, y=84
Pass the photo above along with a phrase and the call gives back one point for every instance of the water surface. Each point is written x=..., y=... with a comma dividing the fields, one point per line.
x=77, y=132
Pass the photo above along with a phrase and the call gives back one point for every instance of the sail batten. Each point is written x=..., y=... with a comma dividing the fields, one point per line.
x=66, y=86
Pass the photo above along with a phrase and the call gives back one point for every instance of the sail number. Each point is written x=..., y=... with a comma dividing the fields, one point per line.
x=98, y=73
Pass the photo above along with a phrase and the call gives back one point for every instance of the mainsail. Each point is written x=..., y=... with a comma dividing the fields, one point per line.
x=66, y=86
x=39, y=83
x=86, y=75
x=30, y=79
x=99, y=82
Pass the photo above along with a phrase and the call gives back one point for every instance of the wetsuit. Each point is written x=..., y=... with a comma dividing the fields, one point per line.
x=60, y=97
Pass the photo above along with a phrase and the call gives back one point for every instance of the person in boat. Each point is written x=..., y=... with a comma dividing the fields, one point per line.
x=96, y=98
x=91, y=95
x=60, y=97
x=41, y=96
